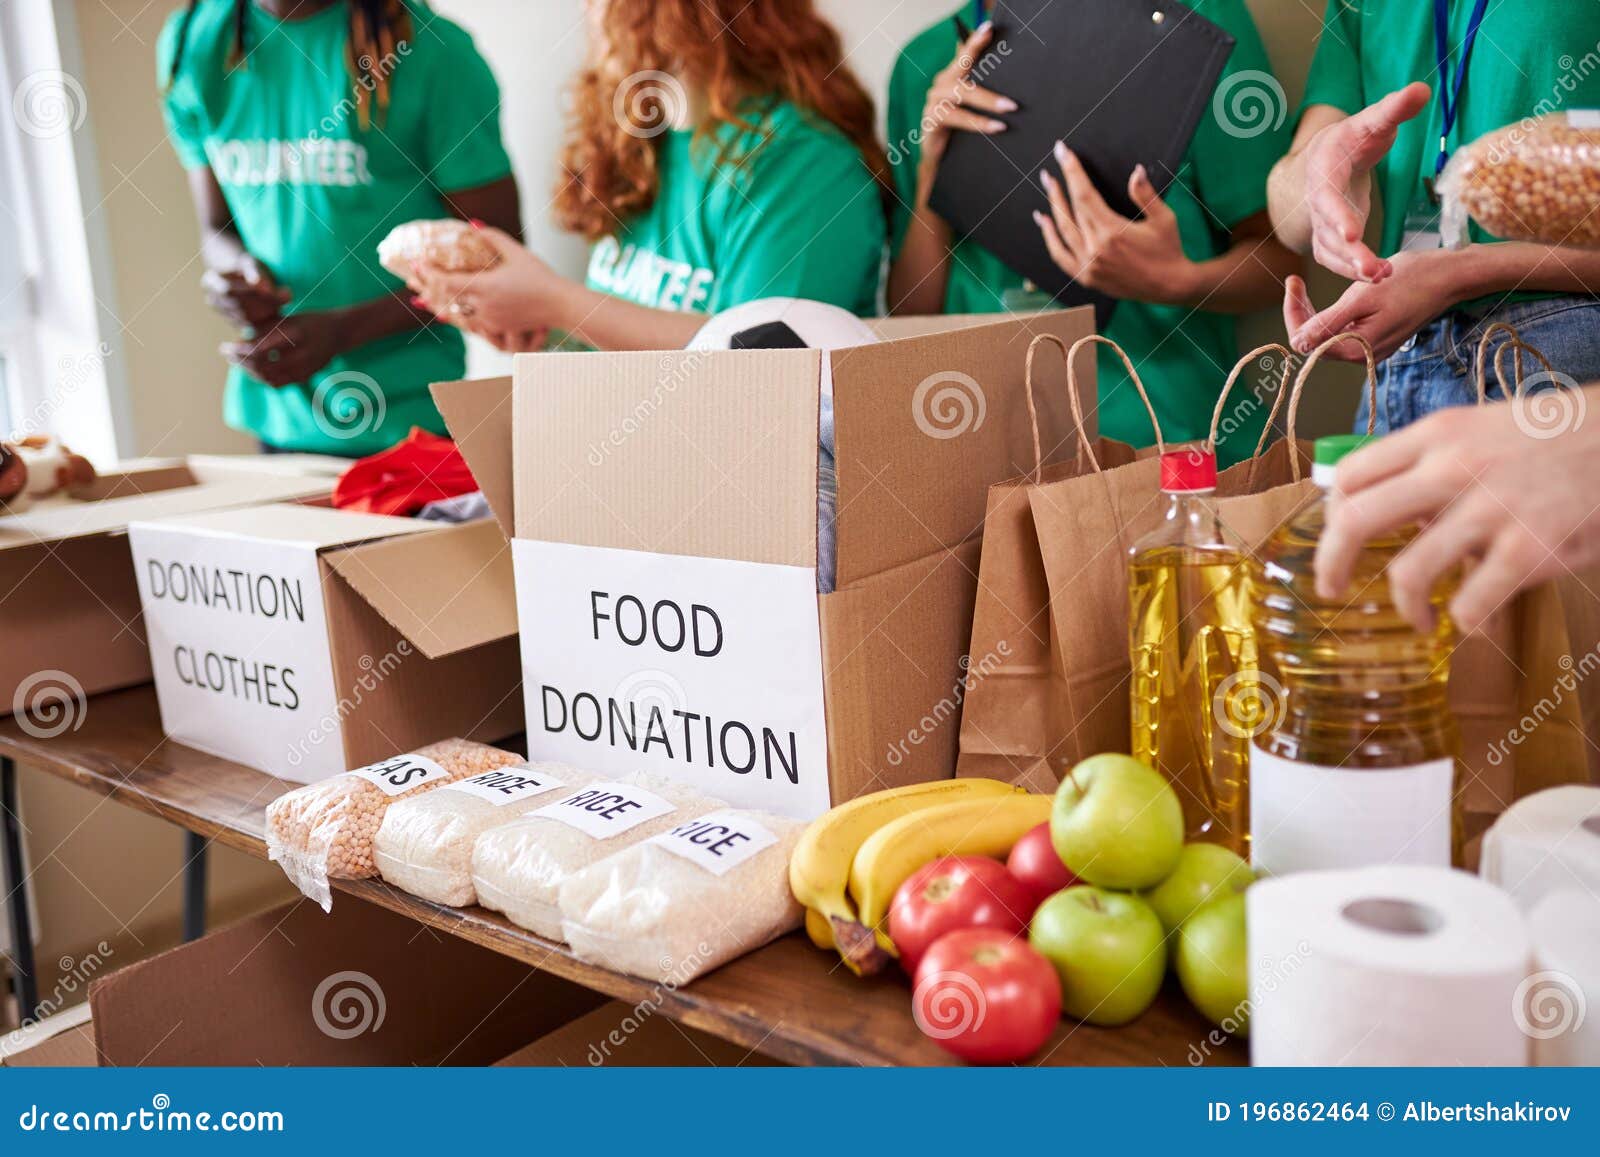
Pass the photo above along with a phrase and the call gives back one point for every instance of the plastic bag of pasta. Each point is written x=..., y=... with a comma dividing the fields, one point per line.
x=687, y=900
x=519, y=868
x=324, y=831
x=1536, y=180
x=424, y=845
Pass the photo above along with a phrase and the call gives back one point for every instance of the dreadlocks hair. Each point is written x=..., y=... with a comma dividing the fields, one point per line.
x=378, y=29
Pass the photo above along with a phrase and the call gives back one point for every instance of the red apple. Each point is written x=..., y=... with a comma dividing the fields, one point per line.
x=1034, y=862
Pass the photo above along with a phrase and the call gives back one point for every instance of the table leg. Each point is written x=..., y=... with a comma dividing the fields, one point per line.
x=194, y=885
x=24, y=977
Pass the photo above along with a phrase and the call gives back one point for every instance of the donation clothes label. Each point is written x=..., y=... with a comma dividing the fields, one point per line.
x=507, y=785
x=401, y=773
x=606, y=809
x=238, y=639
x=707, y=671
x=718, y=842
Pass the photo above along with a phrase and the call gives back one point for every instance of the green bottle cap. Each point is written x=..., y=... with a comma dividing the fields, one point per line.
x=1329, y=450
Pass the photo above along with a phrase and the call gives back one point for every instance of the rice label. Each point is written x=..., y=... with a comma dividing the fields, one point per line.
x=507, y=785
x=401, y=773
x=718, y=842
x=606, y=809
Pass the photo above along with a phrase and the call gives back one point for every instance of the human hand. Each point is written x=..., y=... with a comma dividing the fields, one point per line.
x=517, y=296
x=1387, y=313
x=955, y=102
x=1512, y=483
x=246, y=295
x=1338, y=169
x=1101, y=249
x=293, y=349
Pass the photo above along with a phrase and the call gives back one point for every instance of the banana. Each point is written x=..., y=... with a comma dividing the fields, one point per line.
x=819, y=869
x=981, y=826
x=818, y=928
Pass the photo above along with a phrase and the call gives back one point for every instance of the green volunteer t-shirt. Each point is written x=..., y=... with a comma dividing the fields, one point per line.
x=786, y=208
x=1532, y=57
x=312, y=195
x=1183, y=355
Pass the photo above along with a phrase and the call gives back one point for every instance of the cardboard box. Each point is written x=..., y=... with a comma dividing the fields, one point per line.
x=293, y=986
x=69, y=609
x=663, y=508
x=64, y=1040
x=304, y=641
x=618, y=1035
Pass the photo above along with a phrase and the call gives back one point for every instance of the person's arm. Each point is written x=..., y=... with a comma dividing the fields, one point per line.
x=1427, y=284
x=920, y=271
x=1498, y=482
x=497, y=204
x=1143, y=260
x=1320, y=194
x=235, y=284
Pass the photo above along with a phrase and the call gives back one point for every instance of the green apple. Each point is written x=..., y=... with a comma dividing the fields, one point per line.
x=1117, y=823
x=1205, y=872
x=1108, y=949
x=1213, y=962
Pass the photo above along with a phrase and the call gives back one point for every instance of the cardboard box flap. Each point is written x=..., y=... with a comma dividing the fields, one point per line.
x=925, y=425
x=682, y=452
x=445, y=591
x=317, y=527
x=58, y=521
x=478, y=414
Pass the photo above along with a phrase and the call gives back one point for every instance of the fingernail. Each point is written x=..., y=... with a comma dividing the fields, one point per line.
x=1138, y=171
x=475, y=223
x=1061, y=152
x=985, y=26
x=418, y=302
x=997, y=126
x=1006, y=104
x=1046, y=178
x=1038, y=217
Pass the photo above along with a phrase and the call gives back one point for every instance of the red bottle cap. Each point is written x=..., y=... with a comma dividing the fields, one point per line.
x=1188, y=470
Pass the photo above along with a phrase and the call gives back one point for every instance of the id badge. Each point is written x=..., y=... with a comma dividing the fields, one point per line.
x=1423, y=230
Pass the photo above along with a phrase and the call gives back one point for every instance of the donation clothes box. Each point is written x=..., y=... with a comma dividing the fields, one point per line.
x=69, y=609
x=303, y=641
x=663, y=513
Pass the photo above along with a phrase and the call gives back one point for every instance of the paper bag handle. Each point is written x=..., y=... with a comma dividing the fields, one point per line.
x=1513, y=345
x=1272, y=415
x=1305, y=373
x=1070, y=356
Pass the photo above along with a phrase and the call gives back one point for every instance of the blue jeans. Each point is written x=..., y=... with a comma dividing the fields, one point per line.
x=1437, y=368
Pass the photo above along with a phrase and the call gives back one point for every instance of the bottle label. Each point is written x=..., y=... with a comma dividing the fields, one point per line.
x=1306, y=817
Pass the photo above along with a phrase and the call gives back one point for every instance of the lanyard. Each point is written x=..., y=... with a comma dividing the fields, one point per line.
x=1450, y=87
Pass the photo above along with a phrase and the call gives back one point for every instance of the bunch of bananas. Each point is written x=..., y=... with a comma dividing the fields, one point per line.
x=850, y=861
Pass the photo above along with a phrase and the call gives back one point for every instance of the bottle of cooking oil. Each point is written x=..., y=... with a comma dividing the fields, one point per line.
x=1359, y=765
x=1193, y=653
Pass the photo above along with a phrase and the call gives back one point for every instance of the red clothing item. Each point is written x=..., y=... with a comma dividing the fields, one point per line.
x=415, y=471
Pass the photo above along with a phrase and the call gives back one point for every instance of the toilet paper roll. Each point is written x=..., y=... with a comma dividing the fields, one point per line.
x=1545, y=842
x=1559, y=1005
x=1385, y=966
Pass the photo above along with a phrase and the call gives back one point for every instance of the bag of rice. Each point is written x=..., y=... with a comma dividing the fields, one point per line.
x=687, y=900
x=519, y=867
x=424, y=845
x=1536, y=180
x=325, y=830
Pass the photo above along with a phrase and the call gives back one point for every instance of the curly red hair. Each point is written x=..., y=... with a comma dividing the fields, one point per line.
x=726, y=51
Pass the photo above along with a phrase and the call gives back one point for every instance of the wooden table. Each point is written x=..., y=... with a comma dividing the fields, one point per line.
x=788, y=1000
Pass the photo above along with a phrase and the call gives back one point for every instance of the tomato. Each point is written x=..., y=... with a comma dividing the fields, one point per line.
x=950, y=893
x=986, y=996
x=1034, y=861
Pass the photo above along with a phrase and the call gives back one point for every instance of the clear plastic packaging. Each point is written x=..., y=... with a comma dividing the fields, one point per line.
x=452, y=245
x=325, y=830
x=424, y=845
x=687, y=900
x=519, y=867
x=1536, y=180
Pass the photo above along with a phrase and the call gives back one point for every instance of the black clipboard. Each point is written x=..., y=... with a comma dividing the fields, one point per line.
x=1123, y=82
